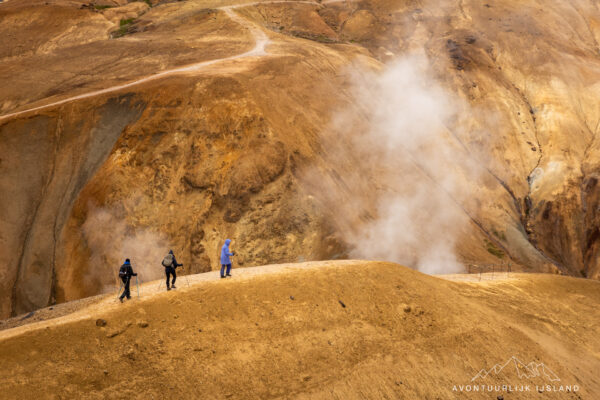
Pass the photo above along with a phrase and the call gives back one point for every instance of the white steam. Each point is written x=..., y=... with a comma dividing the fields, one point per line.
x=405, y=173
x=111, y=239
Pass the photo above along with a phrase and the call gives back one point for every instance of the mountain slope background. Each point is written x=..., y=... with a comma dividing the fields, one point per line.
x=266, y=144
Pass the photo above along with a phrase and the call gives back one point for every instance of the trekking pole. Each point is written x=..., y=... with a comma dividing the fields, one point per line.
x=138, y=286
x=119, y=291
x=120, y=282
x=186, y=278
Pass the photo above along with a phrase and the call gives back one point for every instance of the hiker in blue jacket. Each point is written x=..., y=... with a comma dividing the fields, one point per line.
x=225, y=261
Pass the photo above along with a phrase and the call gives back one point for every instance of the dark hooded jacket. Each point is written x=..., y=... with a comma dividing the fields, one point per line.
x=175, y=263
x=128, y=269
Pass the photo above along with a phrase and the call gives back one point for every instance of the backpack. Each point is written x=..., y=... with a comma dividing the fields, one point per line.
x=123, y=271
x=168, y=260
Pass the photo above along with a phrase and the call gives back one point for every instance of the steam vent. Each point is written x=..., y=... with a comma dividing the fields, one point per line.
x=300, y=199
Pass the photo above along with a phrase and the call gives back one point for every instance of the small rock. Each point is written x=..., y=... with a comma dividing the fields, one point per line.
x=100, y=322
x=200, y=330
x=51, y=308
x=105, y=372
x=112, y=334
x=142, y=324
x=292, y=298
x=342, y=304
x=407, y=308
x=307, y=378
x=398, y=383
x=130, y=353
x=500, y=398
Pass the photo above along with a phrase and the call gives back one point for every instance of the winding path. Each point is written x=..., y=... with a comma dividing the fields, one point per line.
x=86, y=308
x=260, y=38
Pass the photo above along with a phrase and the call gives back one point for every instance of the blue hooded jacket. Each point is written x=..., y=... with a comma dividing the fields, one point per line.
x=225, y=253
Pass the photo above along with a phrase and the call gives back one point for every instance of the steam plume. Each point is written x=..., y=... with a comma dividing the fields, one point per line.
x=111, y=239
x=404, y=182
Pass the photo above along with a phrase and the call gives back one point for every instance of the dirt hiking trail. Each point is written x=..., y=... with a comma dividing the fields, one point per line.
x=261, y=41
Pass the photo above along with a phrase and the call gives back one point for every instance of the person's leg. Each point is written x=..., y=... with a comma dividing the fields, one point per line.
x=122, y=296
x=222, y=270
x=228, y=269
x=174, y=274
x=168, y=274
x=127, y=293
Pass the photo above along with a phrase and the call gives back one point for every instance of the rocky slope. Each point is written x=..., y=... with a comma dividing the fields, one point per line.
x=129, y=128
x=350, y=330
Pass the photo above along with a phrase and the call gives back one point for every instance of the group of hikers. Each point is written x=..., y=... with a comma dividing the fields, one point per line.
x=170, y=264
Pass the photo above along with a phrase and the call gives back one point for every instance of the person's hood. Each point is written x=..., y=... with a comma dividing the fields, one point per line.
x=127, y=261
x=170, y=251
x=227, y=241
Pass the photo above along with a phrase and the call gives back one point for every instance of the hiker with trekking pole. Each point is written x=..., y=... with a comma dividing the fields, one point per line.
x=125, y=273
x=225, y=260
x=170, y=264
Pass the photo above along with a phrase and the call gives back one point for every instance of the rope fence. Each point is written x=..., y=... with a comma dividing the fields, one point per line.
x=497, y=270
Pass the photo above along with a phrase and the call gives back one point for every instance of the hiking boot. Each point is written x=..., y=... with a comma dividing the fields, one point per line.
x=128, y=297
x=168, y=288
x=121, y=299
x=228, y=274
x=173, y=287
x=222, y=277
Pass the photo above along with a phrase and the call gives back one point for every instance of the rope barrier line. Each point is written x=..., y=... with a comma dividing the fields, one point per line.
x=493, y=268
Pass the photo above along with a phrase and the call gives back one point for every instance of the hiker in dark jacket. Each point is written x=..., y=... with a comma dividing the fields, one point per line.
x=170, y=263
x=125, y=273
x=225, y=260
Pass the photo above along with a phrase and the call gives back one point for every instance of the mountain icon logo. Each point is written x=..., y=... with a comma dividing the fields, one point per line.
x=527, y=371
